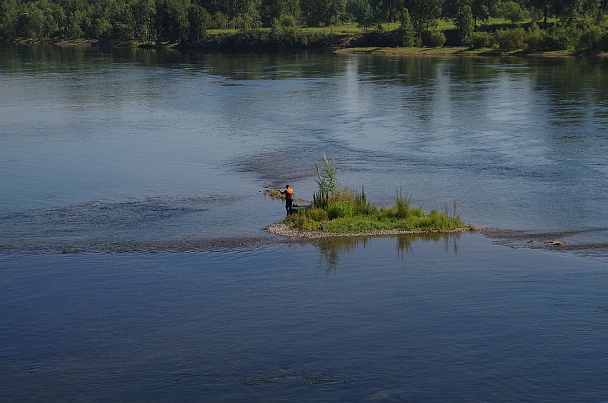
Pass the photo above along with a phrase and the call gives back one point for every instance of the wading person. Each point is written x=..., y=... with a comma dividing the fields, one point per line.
x=288, y=192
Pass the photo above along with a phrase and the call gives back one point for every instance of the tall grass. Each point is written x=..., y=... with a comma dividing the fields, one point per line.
x=326, y=182
x=343, y=210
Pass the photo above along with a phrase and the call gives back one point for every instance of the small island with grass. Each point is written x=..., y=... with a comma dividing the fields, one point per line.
x=337, y=211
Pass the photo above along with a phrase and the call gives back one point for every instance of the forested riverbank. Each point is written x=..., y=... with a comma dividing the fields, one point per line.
x=529, y=26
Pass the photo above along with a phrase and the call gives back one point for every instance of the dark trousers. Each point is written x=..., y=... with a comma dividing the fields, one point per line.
x=288, y=204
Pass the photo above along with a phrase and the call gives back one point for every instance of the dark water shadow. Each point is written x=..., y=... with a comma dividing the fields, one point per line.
x=159, y=224
x=125, y=246
x=276, y=168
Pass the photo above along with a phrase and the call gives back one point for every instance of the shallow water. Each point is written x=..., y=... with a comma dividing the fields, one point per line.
x=134, y=267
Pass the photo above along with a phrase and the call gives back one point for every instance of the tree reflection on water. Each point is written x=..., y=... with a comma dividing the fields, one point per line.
x=331, y=248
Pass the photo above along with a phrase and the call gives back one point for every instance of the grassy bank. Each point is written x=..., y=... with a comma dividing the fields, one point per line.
x=347, y=212
x=337, y=210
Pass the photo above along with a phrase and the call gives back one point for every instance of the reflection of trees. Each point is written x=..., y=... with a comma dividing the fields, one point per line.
x=575, y=89
x=450, y=239
x=331, y=248
x=268, y=66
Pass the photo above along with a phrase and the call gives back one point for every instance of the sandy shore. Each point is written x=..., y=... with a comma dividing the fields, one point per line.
x=457, y=51
x=283, y=230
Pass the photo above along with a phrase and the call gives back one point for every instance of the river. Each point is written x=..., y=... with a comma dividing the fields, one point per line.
x=134, y=265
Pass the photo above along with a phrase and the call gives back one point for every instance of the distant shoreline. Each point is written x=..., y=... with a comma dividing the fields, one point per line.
x=340, y=44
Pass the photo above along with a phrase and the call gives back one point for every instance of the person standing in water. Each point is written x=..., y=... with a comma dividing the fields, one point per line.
x=288, y=192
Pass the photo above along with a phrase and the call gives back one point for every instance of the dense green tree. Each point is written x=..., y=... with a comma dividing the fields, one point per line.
x=407, y=33
x=219, y=20
x=541, y=7
x=214, y=6
x=198, y=20
x=311, y=11
x=271, y=9
x=234, y=8
x=55, y=16
x=566, y=10
x=510, y=39
x=252, y=19
x=380, y=13
x=143, y=14
x=336, y=12
x=172, y=20
x=480, y=9
x=78, y=24
x=512, y=11
x=390, y=10
x=323, y=12
x=102, y=28
x=9, y=18
x=362, y=13
x=112, y=19
x=592, y=40
x=534, y=38
x=78, y=18
x=464, y=24
x=289, y=7
x=39, y=19
x=243, y=14
x=30, y=23
x=571, y=11
x=284, y=30
x=580, y=10
x=424, y=14
x=239, y=8
x=451, y=8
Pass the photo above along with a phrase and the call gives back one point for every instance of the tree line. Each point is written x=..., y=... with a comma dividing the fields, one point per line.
x=554, y=23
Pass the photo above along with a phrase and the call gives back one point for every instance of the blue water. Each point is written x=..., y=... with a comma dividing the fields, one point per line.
x=281, y=323
x=134, y=265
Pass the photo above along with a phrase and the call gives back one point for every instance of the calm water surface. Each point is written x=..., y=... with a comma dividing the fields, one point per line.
x=134, y=267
